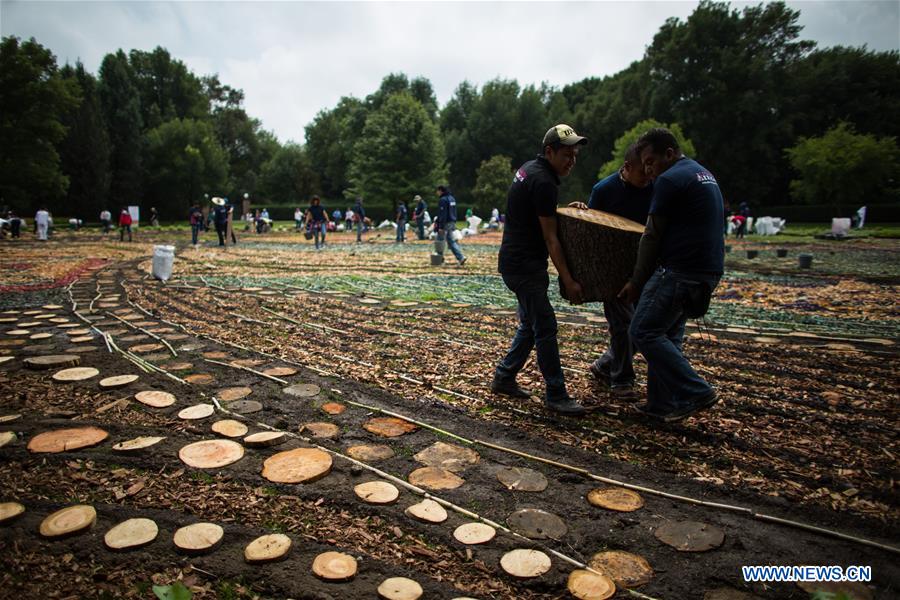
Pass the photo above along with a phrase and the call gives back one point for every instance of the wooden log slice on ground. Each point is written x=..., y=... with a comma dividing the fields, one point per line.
x=52, y=307
x=131, y=534
x=211, y=454
x=145, y=348
x=537, y=524
x=267, y=548
x=7, y=437
x=434, y=478
x=10, y=418
x=230, y=428
x=248, y=362
x=69, y=520
x=62, y=440
x=321, y=430
x=191, y=347
x=334, y=566
x=244, y=407
x=138, y=443
x=399, y=588
x=82, y=339
x=82, y=349
x=155, y=398
x=12, y=343
x=377, y=492
x=197, y=411
x=618, y=499
x=18, y=332
x=280, y=371
x=626, y=569
x=264, y=439
x=215, y=355
x=525, y=563
x=41, y=336
x=522, y=479
x=447, y=456
x=176, y=337
x=301, y=465
x=75, y=374
x=388, y=426
x=428, y=511
x=690, y=536
x=51, y=361
x=177, y=366
x=233, y=393
x=117, y=381
x=586, y=585
x=474, y=533
x=6, y=359
x=198, y=538
x=10, y=510
x=302, y=390
x=587, y=234
x=333, y=408
x=137, y=338
x=372, y=453
x=30, y=324
x=199, y=378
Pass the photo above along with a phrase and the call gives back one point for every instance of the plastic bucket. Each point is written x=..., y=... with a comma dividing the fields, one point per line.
x=805, y=261
x=437, y=259
x=751, y=254
x=781, y=252
x=163, y=259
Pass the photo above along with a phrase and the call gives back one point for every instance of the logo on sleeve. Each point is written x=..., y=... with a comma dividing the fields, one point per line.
x=520, y=176
x=706, y=177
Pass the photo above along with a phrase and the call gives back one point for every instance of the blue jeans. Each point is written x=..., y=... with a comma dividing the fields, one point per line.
x=401, y=230
x=617, y=360
x=658, y=332
x=195, y=231
x=359, y=229
x=318, y=229
x=447, y=235
x=537, y=329
x=420, y=228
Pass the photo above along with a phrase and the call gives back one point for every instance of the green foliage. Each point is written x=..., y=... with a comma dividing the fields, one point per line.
x=399, y=154
x=184, y=161
x=288, y=178
x=34, y=101
x=843, y=166
x=492, y=184
x=121, y=106
x=166, y=88
x=632, y=135
x=176, y=591
x=330, y=139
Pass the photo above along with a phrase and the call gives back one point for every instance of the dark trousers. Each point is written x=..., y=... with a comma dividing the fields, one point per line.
x=401, y=230
x=122, y=230
x=537, y=329
x=195, y=231
x=15, y=227
x=617, y=360
x=420, y=227
x=658, y=332
x=222, y=231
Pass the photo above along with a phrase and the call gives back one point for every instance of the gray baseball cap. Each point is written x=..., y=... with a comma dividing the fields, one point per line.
x=563, y=134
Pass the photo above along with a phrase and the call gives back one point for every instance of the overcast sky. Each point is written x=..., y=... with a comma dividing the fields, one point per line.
x=293, y=59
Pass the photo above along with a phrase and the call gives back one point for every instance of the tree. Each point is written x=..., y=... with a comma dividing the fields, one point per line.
x=632, y=135
x=492, y=184
x=330, y=140
x=122, y=115
x=399, y=154
x=84, y=152
x=843, y=167
x=184, y=161
x=288, y=177
x=34, y=100
x=166, y=87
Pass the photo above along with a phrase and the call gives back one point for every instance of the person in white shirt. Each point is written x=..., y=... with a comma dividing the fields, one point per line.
x=105, y=220
x=42, y=220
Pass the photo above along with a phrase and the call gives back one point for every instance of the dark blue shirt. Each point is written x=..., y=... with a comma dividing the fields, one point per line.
x=401, y=210
x=533, y=194
x=420, y=209
x=447, y=211
x=615, y=195
x=221, y=214
x=317, y=213
x=688, y=196
x=359, y=211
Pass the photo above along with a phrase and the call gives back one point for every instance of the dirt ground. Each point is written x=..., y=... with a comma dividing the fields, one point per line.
x=806, y=430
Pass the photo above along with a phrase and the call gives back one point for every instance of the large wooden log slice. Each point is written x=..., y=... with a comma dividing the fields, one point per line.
x=155, y=398
x=230, y=428
x=618, y=499
x=377, y=492
x=587, y=585
x=447, y=456
x=537, y=524
x=52, y=360
x=626, y=569
x=67, y=439
x=301, y=465
x=600, y=248
x=399, y=588
x=211, y=454
x=371, y=453
x=522, y=479
x=138, y=443
x=334, y=566
x=10, y=510
x=69, y=520
x=198, y=538
x=690, y=536
x=525, y=563
x=427, y=510
x=435, y=478
x=267, y=548
x=388, y=426
x=75, y=374
x=474, y=533
x=130, y=534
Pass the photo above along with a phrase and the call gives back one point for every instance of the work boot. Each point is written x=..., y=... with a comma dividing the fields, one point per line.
x=566, y=406
x=600, y=373
x=508, y=388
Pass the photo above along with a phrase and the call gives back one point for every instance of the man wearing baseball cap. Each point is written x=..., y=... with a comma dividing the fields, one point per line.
x=529, y=238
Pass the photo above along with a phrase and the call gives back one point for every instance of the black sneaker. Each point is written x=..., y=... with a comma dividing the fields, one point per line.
x=511, y=389
x=680, y=413
x=624, y=391
x=566, y=406
x=599, y=373
x=463, y=261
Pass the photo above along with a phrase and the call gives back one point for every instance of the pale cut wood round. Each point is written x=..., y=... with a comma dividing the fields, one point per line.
x=525, y=563
x=197, y=411
x=8, y=320
x=280, y=371
x=474, y=533
x=75, y=374
x=377, y=492
x=244, y=407
x=82, y=339
x=177, y=366
x=131, y=534
x=626, y=570
x=586, y=585
x=10, y=510
x=230, y=428
x=10, y=418
x=333, y=408
x=52, y=360
x=198, y=538
x=135, y=338
x=522, y=479
x=18, y=332
x=6, y=359
x=690, y=536
x=33, y=311
x=69, y=520
x=433, y=478
x=155, y=398
x=40, y=336
x=388, y=426
x=68, y=326
x=199, y=378
x=82, y=349
x=76, y=332
x=321, y=430
x=6, y=437
x=428, y=511
x=447, y=456
x=12, y=343
x=618, y=499
x=138, y=443
x=264, y=439
x=215, y=355
x=30, y=324
x=117, y=381
x=248, y=362
x=211, y=454
x=52, y=307
x=371, y=453
x=399, y=588
x=62, y=440
x=145, y=348
x=301, y=465
x=267, y=548
x=537, y=524
x=233, y=393
x=334, y=566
